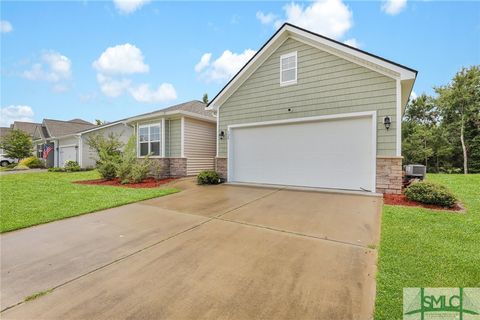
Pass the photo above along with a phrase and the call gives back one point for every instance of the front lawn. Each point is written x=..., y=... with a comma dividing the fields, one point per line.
x=33, y=198
x=426, y=248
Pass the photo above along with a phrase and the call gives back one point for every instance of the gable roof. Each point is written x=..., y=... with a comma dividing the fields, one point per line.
x=389, y=68
x=194, y=108
x=57, y=128
x=4, y=131
x=28, y=127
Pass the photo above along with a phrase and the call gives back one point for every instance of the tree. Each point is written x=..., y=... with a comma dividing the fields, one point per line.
x=459, y=103
x=99, y=122
x=17, y=144
x=205, y=98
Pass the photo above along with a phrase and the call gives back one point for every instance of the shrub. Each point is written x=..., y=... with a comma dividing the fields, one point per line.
x=208, y=177
x=32, y=162
x=126, y=161
x=430, y=193
x=21, y=167
x=107, y=170
x=71, y=166
x=157, y=170
x=140, y=170
x=55, y=169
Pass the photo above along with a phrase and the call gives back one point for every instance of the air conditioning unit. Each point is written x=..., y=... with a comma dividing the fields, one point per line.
x=416, y=170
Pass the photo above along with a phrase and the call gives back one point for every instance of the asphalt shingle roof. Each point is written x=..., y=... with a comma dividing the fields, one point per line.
x=28, y=127
x=59, y=128
x=4, y=131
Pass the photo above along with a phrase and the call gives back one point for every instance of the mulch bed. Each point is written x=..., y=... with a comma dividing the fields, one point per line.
x=147, y=183
x=401, y=200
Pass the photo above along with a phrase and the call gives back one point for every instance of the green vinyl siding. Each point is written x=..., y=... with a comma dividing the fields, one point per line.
x=173, y=135
x=326, y=84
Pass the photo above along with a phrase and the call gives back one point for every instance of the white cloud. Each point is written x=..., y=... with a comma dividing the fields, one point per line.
x=129, y=6
x=142, y=93
x=53, y=67
x=226, y=66
x=15, y=113
x=116, y=62
x=112, y=87
x=266, y=18
x=121, y=59
x=204, y=62
x=352, y=42
x=331, y=18
x=5, y=26
x=393, y=7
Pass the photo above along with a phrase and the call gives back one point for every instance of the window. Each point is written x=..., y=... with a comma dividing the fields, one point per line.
x=149, y=137
x=288, y=68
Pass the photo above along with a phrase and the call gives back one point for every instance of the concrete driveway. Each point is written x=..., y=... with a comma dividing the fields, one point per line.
x=223, y=251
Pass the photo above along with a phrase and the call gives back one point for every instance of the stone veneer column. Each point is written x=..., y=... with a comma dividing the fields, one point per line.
x=178, y=167
x=221, y=167
x=389, y=174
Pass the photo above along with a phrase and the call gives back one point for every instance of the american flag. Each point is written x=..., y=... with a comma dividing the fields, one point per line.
x=46, y=150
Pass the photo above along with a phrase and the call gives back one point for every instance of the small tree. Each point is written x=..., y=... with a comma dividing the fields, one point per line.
x=109, y=152
x=205, y=98
x=17, y=144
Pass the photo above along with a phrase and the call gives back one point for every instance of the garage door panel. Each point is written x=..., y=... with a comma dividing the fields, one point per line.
x=332, y=154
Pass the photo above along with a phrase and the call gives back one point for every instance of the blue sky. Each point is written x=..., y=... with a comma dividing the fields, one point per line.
x=108, y=60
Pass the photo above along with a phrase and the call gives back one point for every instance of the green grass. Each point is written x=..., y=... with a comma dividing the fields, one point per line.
x=427, y=248
x=37, y=295
x=29, y=199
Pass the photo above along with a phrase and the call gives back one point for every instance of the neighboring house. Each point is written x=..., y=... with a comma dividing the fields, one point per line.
x=61, y=135
x=87, y=156
x=27, y=127
x=3, y=160
x=181, y=138
x=309, y=111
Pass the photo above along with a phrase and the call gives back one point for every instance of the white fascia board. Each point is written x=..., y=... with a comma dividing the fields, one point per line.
x=102, y=127
x=341, y=49
x=172, y=113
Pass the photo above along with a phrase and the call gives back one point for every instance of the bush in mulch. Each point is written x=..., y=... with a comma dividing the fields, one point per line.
x=146, y=183
x=431, y=193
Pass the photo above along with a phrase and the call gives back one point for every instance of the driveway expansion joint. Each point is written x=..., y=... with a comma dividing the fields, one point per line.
x=296, y=233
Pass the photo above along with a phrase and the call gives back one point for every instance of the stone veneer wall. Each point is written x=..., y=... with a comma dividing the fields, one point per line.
x=389, y=175
x=221, y=167
x=178, y=167
x=172, y=167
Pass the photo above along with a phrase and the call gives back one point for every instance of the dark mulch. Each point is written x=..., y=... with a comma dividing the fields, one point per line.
x=401, y=200
x=147, y=183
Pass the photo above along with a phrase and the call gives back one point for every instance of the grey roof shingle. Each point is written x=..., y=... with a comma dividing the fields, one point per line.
x=4, y=131
x=59, y=128
x=28, y=127
x=193, y=106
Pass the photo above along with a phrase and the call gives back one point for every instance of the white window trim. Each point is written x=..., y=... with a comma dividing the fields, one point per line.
x=284, y=56
x=162, y=153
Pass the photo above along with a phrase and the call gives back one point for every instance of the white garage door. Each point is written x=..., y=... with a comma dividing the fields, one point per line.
x=67, y=154
x=335, y=153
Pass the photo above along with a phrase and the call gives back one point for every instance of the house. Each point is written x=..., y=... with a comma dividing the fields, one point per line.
x=309, y=111
x=181, y=138
x=87, y=156
x=27, y=127
x=61, y=135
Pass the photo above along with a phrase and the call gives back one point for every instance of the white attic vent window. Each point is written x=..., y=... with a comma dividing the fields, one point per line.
x=288, y=69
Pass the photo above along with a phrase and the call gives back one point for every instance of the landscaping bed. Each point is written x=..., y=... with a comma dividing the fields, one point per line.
x=147, y=183
x=401, y=200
